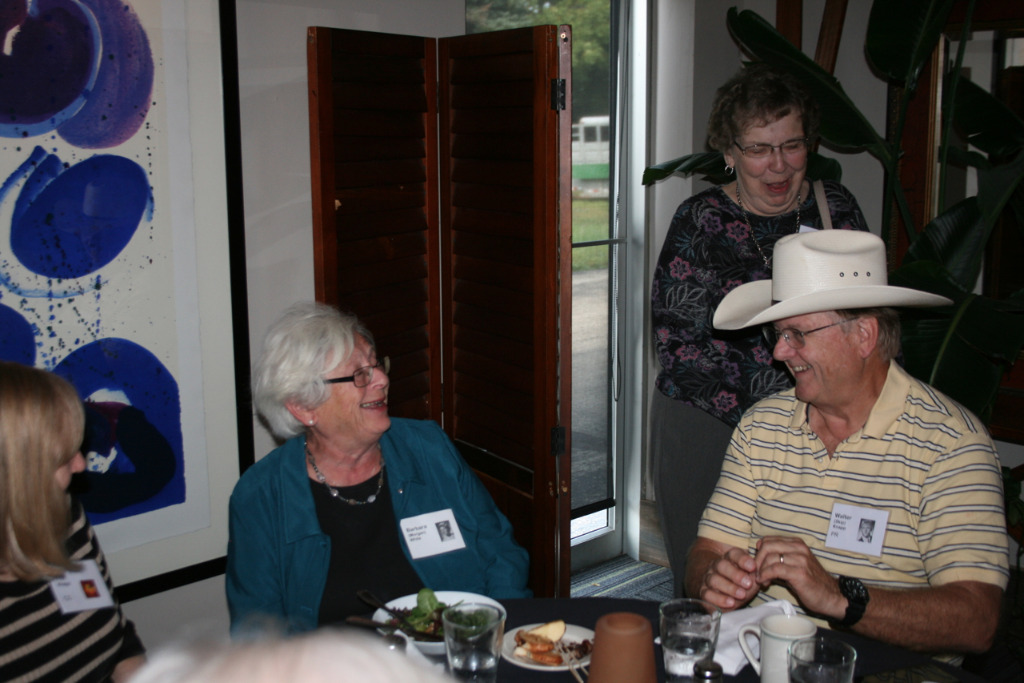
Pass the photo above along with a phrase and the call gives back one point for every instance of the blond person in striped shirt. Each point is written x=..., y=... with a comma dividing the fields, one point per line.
x=863, y=495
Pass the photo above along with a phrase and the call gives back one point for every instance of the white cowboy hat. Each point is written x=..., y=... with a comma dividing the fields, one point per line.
x=826, y=270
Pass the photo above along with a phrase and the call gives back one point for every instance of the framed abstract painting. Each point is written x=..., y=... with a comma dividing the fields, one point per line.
x=122, y=262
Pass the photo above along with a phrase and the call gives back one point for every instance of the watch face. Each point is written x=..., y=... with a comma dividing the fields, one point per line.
x=853, y=590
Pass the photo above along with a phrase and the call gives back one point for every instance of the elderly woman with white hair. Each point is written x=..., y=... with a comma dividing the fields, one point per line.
x=353, y=499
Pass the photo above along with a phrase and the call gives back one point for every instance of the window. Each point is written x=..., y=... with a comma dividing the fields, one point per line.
x=595, y=247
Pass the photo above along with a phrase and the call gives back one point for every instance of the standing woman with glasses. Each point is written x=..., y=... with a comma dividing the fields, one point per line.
x=353, y=499
x=764, y=122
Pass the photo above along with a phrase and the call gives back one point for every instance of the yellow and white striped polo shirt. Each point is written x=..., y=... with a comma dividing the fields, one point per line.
x=921, y=456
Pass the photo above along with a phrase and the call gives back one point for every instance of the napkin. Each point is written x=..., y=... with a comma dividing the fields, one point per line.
x=728, y=652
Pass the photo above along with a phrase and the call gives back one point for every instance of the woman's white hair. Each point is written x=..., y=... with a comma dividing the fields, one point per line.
x=307, y=341
x=324, y=656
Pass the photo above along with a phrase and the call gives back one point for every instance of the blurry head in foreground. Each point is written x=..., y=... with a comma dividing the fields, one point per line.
x=327, y=656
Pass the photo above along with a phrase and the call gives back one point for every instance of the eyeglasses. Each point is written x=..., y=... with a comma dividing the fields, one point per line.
x=793, y=336
x=763, y=151
x=363, y=375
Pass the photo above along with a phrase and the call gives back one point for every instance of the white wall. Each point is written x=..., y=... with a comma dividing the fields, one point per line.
x=278, y=208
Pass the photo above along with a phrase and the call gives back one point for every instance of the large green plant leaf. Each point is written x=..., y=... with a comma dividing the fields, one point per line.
x=902, y=35
x=964, y=349
x=711, y=166
x=957, y=237
x=842, y=124
x=997, y=184
x=989, y=124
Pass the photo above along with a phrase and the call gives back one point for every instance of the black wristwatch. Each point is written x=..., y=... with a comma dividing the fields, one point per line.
x=856, y=594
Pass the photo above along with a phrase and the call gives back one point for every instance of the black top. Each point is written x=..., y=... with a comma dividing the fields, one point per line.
x=366, y=551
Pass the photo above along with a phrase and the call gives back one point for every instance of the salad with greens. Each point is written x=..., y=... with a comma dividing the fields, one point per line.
x=425, y=617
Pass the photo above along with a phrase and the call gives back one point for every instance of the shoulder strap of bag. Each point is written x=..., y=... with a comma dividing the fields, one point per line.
x=819, y=196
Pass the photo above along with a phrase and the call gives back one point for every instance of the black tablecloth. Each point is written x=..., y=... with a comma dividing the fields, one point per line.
x=873, y=657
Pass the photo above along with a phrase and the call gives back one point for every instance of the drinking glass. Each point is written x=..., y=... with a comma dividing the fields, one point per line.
x=473, y=633
x=821, y=659
x=689, y=633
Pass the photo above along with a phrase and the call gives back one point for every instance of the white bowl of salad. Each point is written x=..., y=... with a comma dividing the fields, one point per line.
x=423, y=611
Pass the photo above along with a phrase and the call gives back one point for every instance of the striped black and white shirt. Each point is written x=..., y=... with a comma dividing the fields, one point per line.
x=40, y=643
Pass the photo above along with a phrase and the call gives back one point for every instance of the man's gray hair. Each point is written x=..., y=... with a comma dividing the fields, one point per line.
x=888, y=327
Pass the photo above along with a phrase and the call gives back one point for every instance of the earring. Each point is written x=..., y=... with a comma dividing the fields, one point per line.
x=729, y=170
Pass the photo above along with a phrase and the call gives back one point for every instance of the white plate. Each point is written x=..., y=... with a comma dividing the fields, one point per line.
x=448, y=598
x=573, y=634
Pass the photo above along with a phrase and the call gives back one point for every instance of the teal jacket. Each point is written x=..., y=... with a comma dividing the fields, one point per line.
x=278, y=557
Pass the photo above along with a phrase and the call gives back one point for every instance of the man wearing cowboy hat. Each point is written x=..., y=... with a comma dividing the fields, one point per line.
x=857, y=441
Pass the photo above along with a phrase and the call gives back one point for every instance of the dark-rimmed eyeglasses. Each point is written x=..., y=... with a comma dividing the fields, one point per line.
x=793, y=336
x=363, y=375
x=762, y=151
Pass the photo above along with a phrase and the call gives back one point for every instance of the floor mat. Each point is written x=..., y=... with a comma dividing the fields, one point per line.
x=623, y=577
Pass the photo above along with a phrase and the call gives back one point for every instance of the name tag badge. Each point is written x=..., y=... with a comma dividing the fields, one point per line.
x=82, y=590
x=857, y=529
x=432, y=534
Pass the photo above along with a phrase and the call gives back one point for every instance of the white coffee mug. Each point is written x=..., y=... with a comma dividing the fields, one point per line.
x=775, y=632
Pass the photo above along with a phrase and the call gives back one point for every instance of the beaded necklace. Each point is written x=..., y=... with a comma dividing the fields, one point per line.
x=337, y=494
x=739, y=203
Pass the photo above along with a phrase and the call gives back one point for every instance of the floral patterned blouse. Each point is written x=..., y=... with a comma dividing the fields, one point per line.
x=709, y=251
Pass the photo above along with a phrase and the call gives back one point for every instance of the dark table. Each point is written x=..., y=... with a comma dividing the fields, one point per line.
x=873, y=658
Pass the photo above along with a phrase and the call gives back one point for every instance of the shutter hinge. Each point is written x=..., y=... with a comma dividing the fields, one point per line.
x=557, y=441
x=558, y=94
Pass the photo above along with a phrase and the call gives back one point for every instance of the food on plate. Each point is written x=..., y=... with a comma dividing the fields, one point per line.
x=544, y=644
x=551, y=631
x=425, y=617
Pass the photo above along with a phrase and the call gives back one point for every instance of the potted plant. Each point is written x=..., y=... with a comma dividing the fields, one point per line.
x=963, y=349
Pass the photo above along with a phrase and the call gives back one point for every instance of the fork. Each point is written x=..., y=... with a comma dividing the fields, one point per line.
x=572, y=661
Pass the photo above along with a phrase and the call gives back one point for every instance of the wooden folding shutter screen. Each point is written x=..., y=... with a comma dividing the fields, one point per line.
x=374, y=182
x=494, y=303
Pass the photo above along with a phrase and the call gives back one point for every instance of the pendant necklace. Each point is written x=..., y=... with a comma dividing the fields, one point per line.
x=335, y=493
x=739, y=203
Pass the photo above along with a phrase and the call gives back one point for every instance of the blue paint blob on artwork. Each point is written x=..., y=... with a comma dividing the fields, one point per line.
x=119, y=99
x=17, y=342
x=133, y=439
x=48, y=66
x=84, y=68
x=70, y=222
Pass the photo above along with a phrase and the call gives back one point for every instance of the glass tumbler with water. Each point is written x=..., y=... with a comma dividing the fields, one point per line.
x=689, y=633
x=473, y=634
x=821, y=659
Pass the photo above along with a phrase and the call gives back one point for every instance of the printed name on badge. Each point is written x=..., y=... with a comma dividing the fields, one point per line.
x=432, y=533
x=81, y=590
x=857, y=529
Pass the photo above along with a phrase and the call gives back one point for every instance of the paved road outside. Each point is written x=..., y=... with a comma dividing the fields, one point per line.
x=590, y=376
